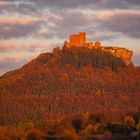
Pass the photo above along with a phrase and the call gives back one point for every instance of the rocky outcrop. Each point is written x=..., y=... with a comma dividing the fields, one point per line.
x=122, y=53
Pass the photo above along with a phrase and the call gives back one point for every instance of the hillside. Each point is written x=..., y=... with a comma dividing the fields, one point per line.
x=72, y=70
x=69, y=80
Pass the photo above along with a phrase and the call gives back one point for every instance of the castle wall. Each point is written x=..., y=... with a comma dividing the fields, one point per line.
x=75, y=40
x=82, y=39
x=78, y=40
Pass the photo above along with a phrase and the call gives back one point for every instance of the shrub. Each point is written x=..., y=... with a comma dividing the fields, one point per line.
x=88, y=131
x=77, y=124
x=34, y=134
x=71, y=135
x=129, y=121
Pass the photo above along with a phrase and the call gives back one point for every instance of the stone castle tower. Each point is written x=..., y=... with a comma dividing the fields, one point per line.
x=79, y=40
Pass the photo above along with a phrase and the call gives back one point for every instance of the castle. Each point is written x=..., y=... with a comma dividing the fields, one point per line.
x=79, y=40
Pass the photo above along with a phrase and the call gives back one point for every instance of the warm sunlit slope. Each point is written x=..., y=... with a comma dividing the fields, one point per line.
x=68, y=81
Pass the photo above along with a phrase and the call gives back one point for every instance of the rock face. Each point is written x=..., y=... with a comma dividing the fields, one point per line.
x=122, y=53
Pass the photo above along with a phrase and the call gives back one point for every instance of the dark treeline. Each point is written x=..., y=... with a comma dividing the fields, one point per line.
x=81, y=126
x=95, y=57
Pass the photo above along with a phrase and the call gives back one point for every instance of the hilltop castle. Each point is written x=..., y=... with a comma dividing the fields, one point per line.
x=79, y=40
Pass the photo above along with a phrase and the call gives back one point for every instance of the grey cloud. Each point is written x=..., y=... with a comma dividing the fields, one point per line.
x=25, y=8
x=8, y=30
x=70, y=22
x=125, y=23
x=4, y=48
x=102, y=36
x=97, y=4
x=9, y=64
x=12, y=46
x=119, y=4
x=136, y=59
x=19, y=6
x=5, y=5
x=73, y=22
x=34, y=6
x=64, y=3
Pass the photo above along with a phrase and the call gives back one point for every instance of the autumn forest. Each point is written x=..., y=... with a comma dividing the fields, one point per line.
x=71, y=93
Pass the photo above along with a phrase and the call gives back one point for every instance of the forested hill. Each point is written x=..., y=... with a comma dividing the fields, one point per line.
x=72, y=70
x=68, y=81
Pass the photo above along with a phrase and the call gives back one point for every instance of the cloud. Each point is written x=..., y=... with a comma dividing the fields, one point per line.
x=18, y=20
x=103, y=36
x=11, y=63
x=102, y=22
x=34, y=7
x=119, y=4
x=64, y=17
x=5, y=5
x=96, y=4
x=63, y=3
x=18, y=26
x=120, y=21
x=6, y=46
x=18, y=6
x=63, y=24
x=19, y=46
x=29, y=46
x=136, y=57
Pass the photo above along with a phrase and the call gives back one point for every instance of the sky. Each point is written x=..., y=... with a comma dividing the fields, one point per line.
x=31, y=27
